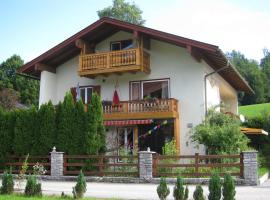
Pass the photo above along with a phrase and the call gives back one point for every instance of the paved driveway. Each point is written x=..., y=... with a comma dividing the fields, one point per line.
x=145, y=191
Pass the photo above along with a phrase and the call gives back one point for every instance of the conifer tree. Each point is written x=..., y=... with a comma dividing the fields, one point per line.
x=45, y=134
x=24, y=133
x=80, y=128
x=65, y=119
x=198, y=193
x=214, y=188
x=95, y=127
x=228, y=188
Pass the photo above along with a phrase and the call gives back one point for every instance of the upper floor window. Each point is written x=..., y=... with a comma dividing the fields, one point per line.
x=86, y=93
x=150, y=89
x=121, y=45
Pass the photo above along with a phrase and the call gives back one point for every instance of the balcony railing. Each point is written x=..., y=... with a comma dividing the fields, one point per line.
x=162, y=108
x=130, y=60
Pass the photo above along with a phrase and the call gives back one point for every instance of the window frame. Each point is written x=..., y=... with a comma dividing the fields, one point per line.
x=141, y=82
x=119, y=41
x=85, y=92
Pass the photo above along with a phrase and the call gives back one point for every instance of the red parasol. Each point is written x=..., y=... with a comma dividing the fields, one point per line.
x=116, y=100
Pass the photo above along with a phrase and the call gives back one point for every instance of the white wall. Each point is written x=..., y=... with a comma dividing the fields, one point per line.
x=47, y=87
x=167, y=61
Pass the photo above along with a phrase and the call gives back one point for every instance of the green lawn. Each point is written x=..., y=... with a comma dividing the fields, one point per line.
x=20, y=197
x=254, y=110
x=262, y=171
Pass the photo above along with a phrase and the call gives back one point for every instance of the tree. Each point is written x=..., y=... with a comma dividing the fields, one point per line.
x=66, y=125
x=124, y=11
x=252, y=73
x=220, y=134
x=214, y=188
x=28, y=89
x=45, y=134
x=179, y=192
x=8, y=98
x=228, y=188
x=198, y=193
x=265, y=66
x=95, y=128
x=80, y=187
x=163, y=190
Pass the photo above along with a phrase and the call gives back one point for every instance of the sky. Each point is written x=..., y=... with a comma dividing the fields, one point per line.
x=30, y=27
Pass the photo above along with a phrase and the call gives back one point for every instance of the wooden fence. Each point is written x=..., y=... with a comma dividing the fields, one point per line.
x=101, y=165
x=163, y=166
x=197, y=165
x=15, y=163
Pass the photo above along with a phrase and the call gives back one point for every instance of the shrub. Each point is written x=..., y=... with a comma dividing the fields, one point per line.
x=198, y=193
x=228, y=188
x=32, y=188
x=7, y=184
x=179, y=192
x=220, y=134
x=186, y=193
x=23, y=170
x=163, y=190
x=80, y=187
x=214, y=188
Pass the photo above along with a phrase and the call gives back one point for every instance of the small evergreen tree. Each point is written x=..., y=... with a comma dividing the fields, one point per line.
x=7, y=184
x=80, y=129
x=163, y=190
x=80, y=187
x=95, y=141
x=45, y=134
x=198, y=193
x=179, y=190
x=186, y=193
x=228, y=188
x=32, y=188
x=66, y=125
x=214, y=188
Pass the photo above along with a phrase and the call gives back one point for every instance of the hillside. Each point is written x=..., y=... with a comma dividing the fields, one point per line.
x=254, y=110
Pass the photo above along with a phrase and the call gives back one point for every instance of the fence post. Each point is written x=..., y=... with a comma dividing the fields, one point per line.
x=250, y=167
x=146, y=164
x=197, y=164
x=57, y=163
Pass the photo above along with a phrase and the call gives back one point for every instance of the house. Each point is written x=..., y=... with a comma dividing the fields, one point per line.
x=164, y=82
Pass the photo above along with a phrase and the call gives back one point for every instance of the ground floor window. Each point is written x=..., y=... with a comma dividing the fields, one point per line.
x=161, y=133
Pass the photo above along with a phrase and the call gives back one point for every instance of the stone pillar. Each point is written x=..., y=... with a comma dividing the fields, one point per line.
x=250, y=173
x=145, y=164
x=57, y=163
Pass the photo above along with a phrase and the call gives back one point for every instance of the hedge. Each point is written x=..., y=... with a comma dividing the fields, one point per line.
x=66, y=126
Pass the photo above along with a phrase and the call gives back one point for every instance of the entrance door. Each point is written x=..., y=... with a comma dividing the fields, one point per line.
x=125, y=140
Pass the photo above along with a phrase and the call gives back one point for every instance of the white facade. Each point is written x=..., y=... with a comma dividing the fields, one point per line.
x=166, y=61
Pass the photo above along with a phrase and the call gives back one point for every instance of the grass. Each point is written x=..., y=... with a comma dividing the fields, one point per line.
x=21, y=197
x=253, y=110
x=262, y=171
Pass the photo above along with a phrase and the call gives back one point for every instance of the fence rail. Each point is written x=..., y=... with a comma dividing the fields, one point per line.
x=197, y=165
x=16, y=162
x=101, y=165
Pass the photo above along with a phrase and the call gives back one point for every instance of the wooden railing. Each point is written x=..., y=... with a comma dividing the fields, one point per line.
x=155, y=109
x=197, y=165
x=114, y=61
x=15, y=163
x=101, y=165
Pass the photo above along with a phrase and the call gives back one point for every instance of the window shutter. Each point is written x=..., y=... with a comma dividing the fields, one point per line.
x=96, y=89
x=73, y=93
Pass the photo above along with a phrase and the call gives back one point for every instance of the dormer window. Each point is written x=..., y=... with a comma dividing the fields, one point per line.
x=121, y=45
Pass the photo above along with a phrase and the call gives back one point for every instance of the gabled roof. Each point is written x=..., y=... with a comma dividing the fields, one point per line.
x=105, y=27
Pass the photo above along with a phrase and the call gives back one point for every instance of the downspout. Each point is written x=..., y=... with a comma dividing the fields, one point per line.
x=205, y=86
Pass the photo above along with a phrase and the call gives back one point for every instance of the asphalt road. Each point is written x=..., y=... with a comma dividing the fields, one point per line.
x=145, y=191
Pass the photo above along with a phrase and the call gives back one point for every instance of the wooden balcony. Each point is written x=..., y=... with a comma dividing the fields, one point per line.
x=130, y=60
x=162, y=108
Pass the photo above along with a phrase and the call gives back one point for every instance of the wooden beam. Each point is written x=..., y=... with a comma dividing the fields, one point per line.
x=44, y=67
x=194, y=53
x=84, y=46
x=136, y=138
